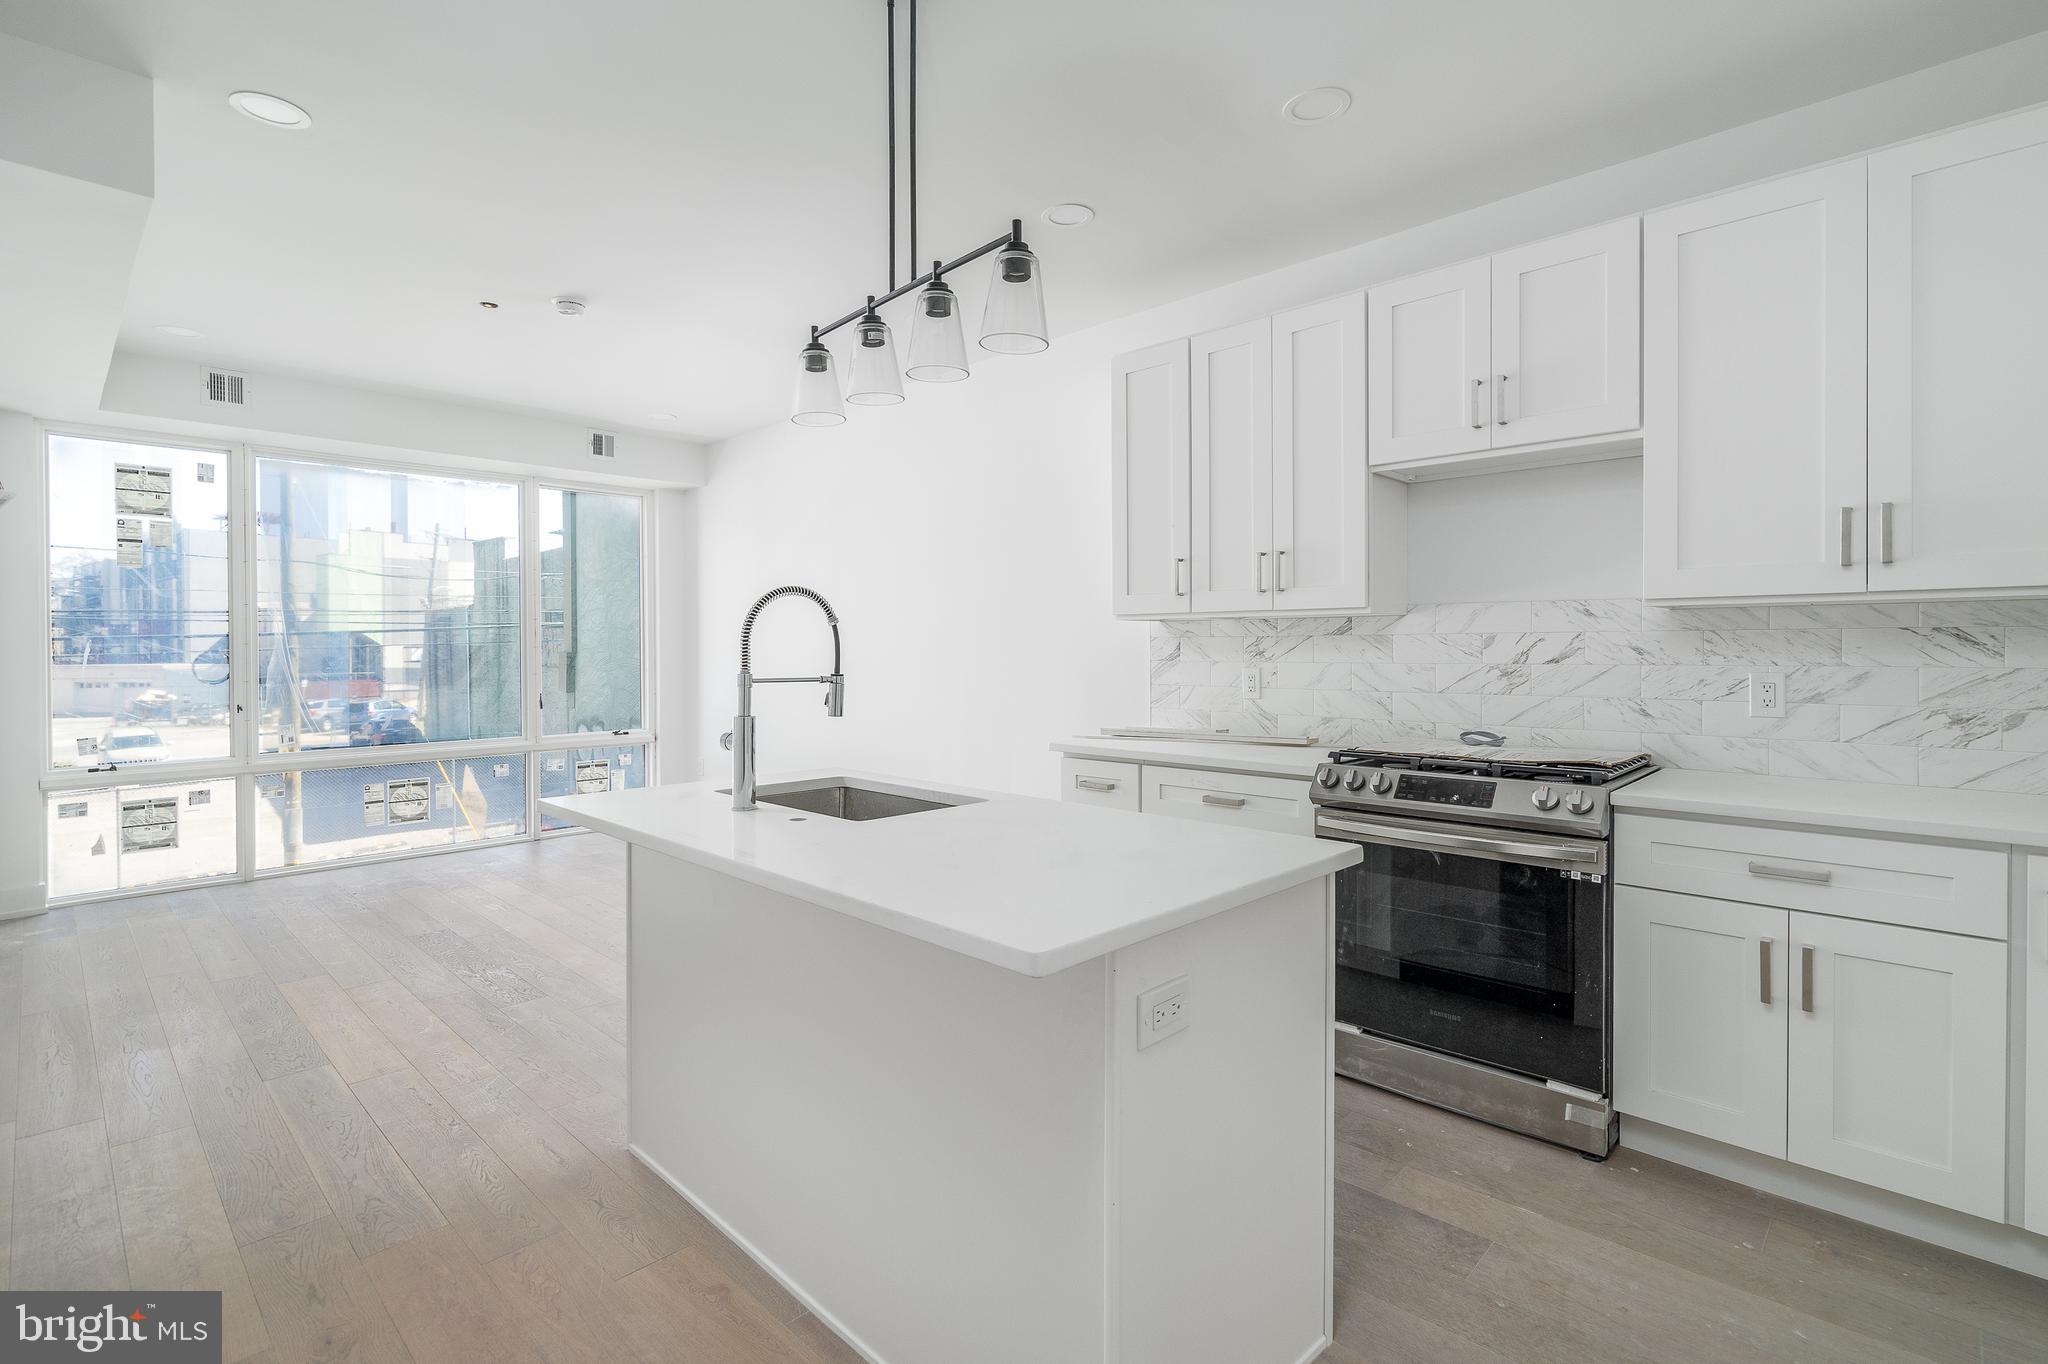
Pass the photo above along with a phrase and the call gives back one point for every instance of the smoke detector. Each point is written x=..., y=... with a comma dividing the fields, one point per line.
x=569, y=307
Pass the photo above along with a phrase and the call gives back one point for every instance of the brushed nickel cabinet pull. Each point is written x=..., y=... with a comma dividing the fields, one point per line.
x=1500, y=401
x=1280, y=570
x=1095, y=784
x=1226, y=802
x=1848, y=537
x=1884, y=532
x=1262, y=570
x=1478, y=421
x=1763, y=970
x=1178, y=590
x=1816, y=876
x=1806, y=979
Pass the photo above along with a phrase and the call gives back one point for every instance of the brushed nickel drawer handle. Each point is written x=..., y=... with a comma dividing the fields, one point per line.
x=1806, y=979
x=1225, y=802
x=1095, y=784
x=1763, y=970
x=1816, y=876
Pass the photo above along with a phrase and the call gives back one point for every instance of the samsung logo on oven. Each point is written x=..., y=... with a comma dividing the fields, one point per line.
x=1448, y=1018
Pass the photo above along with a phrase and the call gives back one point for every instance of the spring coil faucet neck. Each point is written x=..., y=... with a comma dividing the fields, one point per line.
x=741, y=740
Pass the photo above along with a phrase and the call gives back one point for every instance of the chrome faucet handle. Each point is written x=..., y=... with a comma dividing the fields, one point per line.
x=725, y=741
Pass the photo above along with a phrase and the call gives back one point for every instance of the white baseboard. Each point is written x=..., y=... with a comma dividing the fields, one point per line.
x=773, y=1270
x=20, y=901
x=2013, y=1247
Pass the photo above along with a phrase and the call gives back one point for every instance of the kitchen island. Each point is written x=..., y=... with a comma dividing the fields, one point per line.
x=993, y=1079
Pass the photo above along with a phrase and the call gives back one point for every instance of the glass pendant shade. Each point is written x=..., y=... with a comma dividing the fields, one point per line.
x=817, y=388
x=938, y=349
x=1013, y=323
x=872, y=377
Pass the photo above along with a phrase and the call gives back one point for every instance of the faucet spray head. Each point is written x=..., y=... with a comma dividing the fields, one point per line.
x=835, y=695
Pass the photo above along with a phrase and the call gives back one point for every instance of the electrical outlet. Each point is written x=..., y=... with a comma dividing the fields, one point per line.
x=1162, y=1011
x=1248, y=682
x=1766, y=695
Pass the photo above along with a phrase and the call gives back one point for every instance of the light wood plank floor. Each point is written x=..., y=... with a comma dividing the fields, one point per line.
x=382, y=1110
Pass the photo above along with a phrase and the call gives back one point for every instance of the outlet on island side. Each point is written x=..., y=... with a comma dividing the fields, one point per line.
x=1162, y=1011
x=1766, y=695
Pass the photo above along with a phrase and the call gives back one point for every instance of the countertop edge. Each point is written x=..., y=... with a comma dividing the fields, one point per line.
x=1298, y=763
x=1329, y=857
x=1983, y=817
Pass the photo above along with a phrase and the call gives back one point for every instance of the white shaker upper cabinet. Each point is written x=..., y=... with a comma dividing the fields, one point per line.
x=1897, y=1060
x=1320, y=483
x=1958, y=351
x=1231, y=445
x=1753, y=390
x=1699, y=1015
x=2036, y=978
x=1149, y=480
x=1567, y=336
x=1430, y=361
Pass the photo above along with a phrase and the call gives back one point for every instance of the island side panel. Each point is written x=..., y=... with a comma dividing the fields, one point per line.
x=911, y=1140
x=1220, y=1243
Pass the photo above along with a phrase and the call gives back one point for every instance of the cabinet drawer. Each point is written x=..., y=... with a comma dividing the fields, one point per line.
x=1280, y=804
x=1091, y=781
x=1919, y=885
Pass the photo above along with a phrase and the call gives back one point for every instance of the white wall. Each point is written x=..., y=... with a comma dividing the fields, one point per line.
x=24, y=649
x=965, y=534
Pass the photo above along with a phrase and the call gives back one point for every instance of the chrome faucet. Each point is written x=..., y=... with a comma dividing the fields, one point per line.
x=741, y=739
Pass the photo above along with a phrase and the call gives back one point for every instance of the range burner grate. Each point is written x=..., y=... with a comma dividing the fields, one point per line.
x=1585, y=769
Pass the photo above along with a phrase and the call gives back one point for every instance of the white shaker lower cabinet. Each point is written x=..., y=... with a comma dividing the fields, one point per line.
x=1699, y=1015
x=1279, y=804
x=1958, y=294
x=1753, y=390
x=1897, y=1060
x=2036, y=977
x=1096, y=781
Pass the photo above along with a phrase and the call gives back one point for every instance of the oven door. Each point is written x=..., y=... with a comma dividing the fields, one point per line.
x=1486, y=944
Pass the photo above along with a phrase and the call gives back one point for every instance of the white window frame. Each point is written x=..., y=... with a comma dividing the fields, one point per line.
x=245, y=763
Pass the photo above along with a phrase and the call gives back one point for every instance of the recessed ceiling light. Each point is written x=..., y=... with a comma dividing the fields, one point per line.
x=486, y=303
x=186, y=332
x=1319, y=105
x=269, y=110
x=1069, y=215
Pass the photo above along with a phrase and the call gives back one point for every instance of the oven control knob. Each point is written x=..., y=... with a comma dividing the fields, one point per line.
x=1354, y=781
x=1543, y=798
x=1327, y=777
x=1580, y=803
x=1382, y=782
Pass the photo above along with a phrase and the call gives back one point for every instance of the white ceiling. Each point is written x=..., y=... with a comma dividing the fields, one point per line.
x=710, y=176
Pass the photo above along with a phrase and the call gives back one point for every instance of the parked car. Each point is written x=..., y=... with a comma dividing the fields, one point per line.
x=329, y=712
x=392, y=729
x=126, y=744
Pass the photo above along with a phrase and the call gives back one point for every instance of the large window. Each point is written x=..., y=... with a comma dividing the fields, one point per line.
x=590, y=611
x=140, y=581
x=264, y=661
x=387, y=607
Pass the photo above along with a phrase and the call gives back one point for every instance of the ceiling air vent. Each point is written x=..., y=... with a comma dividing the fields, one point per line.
x=222, y=387
x=602, y=445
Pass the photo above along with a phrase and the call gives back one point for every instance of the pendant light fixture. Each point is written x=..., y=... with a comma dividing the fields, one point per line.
x=871, y=376
x=817, y=387
x=938, y=350
x=1013, y=318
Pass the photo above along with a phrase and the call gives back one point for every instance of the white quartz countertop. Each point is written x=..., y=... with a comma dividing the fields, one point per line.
x=1031, y=885
x=1914, y=811
x=1266, y=760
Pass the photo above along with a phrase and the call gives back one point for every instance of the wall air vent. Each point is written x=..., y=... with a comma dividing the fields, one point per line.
x=222, y=387
x=603, y=445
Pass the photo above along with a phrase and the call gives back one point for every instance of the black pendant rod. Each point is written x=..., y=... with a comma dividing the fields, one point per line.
x=914, y=257
x=892, y=144
x=1015, y=234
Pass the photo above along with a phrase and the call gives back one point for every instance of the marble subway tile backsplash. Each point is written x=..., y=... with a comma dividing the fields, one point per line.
x=1946, y=693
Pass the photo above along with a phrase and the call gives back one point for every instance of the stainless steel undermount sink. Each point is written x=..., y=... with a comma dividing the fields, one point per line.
x=855, y=800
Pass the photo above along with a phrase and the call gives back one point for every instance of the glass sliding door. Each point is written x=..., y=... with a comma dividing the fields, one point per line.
x=590, y=647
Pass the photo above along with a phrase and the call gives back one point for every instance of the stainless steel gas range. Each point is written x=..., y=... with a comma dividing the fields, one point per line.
x=1473, y=942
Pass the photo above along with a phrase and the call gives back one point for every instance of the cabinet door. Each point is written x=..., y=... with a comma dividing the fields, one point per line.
x=1753, y=388
x=1149, y=480
x=1958, y=348
x=1232, y=443
x=1699, y=1015
x=1319, y=473
x=1897, y=1060
x=2036, y=976
x=1429, y=365
x=1567, y=336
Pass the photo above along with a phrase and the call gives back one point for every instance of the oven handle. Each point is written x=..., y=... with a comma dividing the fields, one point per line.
x=1573, y=855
